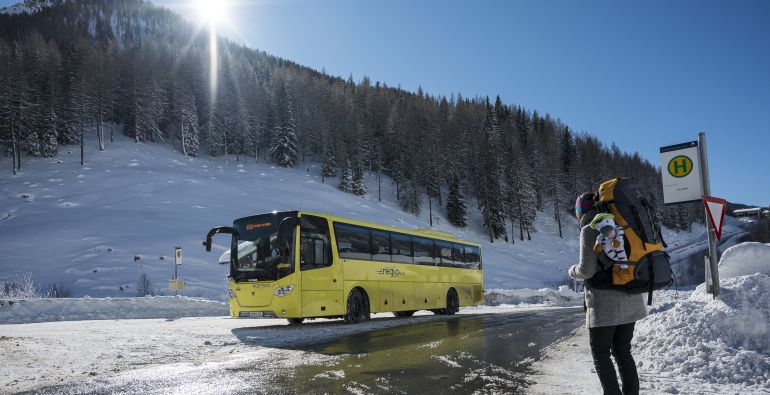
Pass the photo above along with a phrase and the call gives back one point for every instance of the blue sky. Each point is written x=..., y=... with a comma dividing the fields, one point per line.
x=640, y=74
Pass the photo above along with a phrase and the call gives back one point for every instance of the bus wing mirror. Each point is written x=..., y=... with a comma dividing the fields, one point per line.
x=285, y=227
x=219, y=229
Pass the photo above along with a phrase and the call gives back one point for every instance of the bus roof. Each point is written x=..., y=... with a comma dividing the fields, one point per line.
x=432, y=233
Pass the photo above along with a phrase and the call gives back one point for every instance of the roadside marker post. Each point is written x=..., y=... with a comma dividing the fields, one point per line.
x=174, y=285
x=685, y=174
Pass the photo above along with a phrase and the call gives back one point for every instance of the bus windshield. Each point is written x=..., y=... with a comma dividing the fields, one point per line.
x=260, y=256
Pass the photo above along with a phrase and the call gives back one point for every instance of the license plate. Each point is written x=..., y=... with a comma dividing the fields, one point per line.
x=257, y=314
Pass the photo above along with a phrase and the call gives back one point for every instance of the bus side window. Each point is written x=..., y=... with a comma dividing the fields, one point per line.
x=444, y=250
x=472, y=257
x=353, y=242
x=402, y=248
x=315, y=249
x=423, y=251
x=457, y=255
x=380, y=245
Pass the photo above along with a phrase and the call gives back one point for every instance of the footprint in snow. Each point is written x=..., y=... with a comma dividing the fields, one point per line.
x=68, y=204
x=26, y=196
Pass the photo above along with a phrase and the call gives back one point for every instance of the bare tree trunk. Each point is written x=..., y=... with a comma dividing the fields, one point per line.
x=82, y=146
x=100, y=130
x=13, y=150
x=17, y=142
x=529, y=237
x=430, y=210
x=112, y=133
x=379, y=186
x=513, y=234
x=181, y=132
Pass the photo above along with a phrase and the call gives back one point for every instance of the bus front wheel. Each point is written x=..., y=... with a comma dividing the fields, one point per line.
x=452, y=303
x=357, y=309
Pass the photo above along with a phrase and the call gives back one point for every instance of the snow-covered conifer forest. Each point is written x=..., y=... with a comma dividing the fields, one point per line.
x=129, y=67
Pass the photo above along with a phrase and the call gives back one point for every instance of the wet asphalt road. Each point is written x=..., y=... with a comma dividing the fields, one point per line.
x=490, y=353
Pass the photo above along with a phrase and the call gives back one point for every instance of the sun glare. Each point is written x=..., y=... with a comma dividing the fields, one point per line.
x=211, y=11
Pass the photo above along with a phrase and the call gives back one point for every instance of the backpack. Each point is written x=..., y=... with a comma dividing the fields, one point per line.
x=648, y=266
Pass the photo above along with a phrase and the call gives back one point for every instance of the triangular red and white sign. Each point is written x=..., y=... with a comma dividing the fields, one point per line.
x=715, y=208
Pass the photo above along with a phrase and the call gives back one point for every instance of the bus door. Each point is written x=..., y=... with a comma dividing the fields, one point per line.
x=321, y=278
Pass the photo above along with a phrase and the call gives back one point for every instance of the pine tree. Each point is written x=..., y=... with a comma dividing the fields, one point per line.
x=410, y=198
x=346, y=178
x=358, y=186
x=188, y=126
x=329, y=165
x=492, y=209
x=48, y=145
x=283, y=146
x=455, y=204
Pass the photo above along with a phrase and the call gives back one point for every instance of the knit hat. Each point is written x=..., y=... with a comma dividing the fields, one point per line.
x=584, y=204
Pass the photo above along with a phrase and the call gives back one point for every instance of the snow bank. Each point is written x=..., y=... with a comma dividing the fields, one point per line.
x=564, y=296
x=745, y=259
x=706, y=340
x=75, y=309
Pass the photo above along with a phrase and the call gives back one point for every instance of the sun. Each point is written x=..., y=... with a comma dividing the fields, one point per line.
x=211, y=11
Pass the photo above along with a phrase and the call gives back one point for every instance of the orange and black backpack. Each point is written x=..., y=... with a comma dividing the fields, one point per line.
x=648, y=267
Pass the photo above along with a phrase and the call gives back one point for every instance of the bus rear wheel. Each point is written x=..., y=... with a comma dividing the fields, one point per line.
x=357, y=309
x=295, y=321
x=452, y=303
x=404, y=313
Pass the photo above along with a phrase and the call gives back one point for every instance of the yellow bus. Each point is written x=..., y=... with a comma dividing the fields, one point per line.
x=298, y=265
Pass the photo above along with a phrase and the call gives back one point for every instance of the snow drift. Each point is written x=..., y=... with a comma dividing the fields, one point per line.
x=720, y=341
x=44, y=310
x=564, y=296
x=745, y=259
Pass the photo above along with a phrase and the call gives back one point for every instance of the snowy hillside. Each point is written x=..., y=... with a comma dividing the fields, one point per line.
x=26, y=7
x=95, y=229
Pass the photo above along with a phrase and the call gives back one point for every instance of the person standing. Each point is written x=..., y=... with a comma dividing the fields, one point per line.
x=610, y=314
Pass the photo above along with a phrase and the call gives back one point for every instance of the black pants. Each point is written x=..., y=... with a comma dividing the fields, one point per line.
x=615, y=340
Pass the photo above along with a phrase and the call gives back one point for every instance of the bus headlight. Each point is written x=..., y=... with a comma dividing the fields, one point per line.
x=232, y=294
x=285, y=290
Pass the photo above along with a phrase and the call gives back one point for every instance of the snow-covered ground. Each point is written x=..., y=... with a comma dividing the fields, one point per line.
x=690, y=342
x=95, y=228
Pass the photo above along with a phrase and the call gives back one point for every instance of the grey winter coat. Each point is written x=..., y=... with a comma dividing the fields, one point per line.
x=605, y=306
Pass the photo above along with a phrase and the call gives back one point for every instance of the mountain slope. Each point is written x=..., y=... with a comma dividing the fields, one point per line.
x=82, y=227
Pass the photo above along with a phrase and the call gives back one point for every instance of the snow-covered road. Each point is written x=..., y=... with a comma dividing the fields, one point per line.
x=211, y=354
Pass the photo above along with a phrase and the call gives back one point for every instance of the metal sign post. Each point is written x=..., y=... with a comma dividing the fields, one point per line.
x=685, y=173
x=711, y=232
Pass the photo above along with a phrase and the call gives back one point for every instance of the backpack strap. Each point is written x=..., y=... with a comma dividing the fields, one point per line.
x=643, y=232
x=652, y=284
